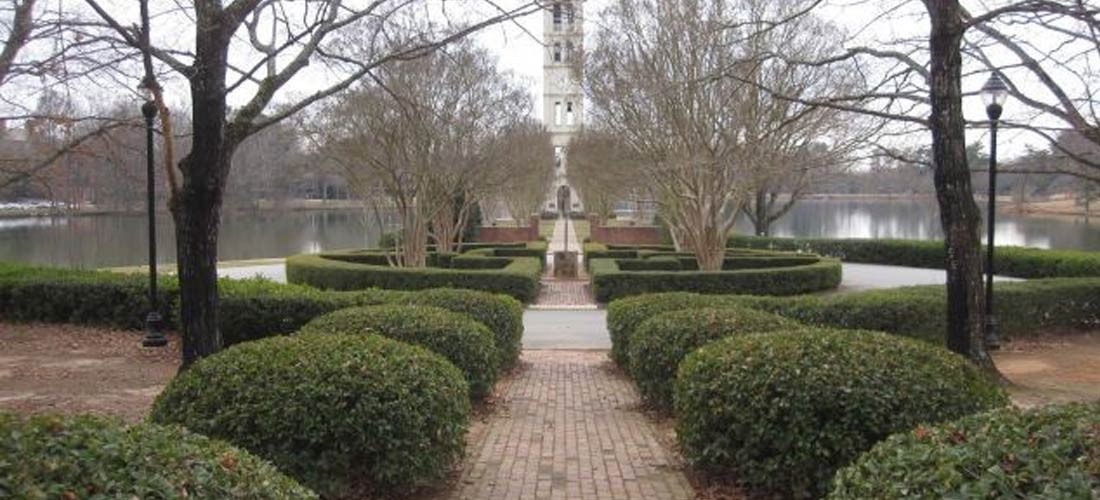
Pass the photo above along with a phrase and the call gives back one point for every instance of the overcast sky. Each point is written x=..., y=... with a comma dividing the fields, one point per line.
x=518, y=47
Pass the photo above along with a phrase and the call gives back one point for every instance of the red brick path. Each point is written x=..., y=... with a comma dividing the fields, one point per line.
x=568, y=427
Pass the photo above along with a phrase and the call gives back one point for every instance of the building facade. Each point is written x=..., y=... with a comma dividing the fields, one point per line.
x=562, y=98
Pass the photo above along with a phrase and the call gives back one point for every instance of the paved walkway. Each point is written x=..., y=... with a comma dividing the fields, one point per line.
x=567, y=426
x=556, y=294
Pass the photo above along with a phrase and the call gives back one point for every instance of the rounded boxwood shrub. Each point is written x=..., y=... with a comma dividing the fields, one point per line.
x=463, y=341
x=1051, y=452
x=501, y=313
x=333, y=411
x=95, y=457
x=663, y=341
x=784, y=411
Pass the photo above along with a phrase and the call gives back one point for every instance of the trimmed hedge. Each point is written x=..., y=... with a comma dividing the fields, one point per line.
x=95, y=457
x=1023, y=309
x=1020, y=262
x=609, y=282
x=785, y=410
x=250, y=309
x=501, y=313
x=86, y=297
x=333, y=411
x=520, y=278
x=1051, y=452
x=663, y=341
x=463, y=341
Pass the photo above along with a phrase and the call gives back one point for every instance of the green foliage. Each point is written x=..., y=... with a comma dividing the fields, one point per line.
x=520, y=278
x=463, y=341
x=255, y=308
x=87, y=297
x=785, y=410
x=663, y=341
x=501, y=313
x=1051, y=452
x=1023, y=308
x=624, y=316
x=48, y=457
x=1020, y=262
x=330, y=410
x=609, y=282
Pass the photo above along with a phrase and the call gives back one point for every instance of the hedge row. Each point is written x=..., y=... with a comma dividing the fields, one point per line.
x=95, y=457
x=663, y=341
x=249, y=309
x=1019, y=262
x=1050, y=452
x=467, y=344
x=519, y=278
x=340, y=413
x=919, y=311
x=785, y=410
x=609, y=282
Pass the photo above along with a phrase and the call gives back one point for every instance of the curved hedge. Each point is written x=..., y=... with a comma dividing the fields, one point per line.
x=463, y=341
x=501, y=313
x=624, y=315
x=784, y=411
x=663, y=341
x=1023, y=308
x=609, y=282
x=94, y=457
x=1020, y=262
x=333, y=411
x=332, y=271
x=1051, y=452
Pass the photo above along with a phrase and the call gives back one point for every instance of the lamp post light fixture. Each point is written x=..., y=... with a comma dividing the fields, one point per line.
x=994, y=94
x=154, y=337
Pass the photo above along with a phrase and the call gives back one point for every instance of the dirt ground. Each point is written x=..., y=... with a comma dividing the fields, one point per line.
x=74, y=369
x=1055, y=368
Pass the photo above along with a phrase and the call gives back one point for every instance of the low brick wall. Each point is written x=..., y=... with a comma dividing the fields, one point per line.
x=495, y=234
x=624, y=235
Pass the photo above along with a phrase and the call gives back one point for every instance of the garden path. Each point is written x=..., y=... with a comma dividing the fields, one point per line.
x=567, y=424
x=564, y=293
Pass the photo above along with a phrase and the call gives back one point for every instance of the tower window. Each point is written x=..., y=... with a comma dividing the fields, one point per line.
x=568, y=56
x=570, y=14
x=557, y=113
x=557, y=51
x=569, y=120
x=558, y=153
x=557, y=16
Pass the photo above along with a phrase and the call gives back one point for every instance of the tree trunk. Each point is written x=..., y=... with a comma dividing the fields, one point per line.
x=959, y=215
x=761, y=222
x=196, y=206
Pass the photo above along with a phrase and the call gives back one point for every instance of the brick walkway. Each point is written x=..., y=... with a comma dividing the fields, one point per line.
x=567, y=426
x=564, y=294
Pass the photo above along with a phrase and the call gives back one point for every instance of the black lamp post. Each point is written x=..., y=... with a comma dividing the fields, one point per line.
x=994, y=94
x=153, y=321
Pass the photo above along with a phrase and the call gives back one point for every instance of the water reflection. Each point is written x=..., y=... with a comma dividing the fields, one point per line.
x=120, y=240
x=920, y=220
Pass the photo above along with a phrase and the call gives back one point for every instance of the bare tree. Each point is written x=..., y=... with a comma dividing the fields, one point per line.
x=421, y=131
x=233, y=54
x=524, y=158
x=647, y=83
x=603, y=170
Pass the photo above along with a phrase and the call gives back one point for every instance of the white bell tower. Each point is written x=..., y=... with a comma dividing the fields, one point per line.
x=562, y=98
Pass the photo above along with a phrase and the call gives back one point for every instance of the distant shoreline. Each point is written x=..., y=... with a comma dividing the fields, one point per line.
x=290, y=205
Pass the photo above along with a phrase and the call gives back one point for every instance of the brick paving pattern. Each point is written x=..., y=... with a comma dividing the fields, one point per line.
x=562, y=292
x=567, y=427
x=572, y=293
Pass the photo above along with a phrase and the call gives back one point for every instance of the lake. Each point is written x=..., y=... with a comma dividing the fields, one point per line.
x=120, y=240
